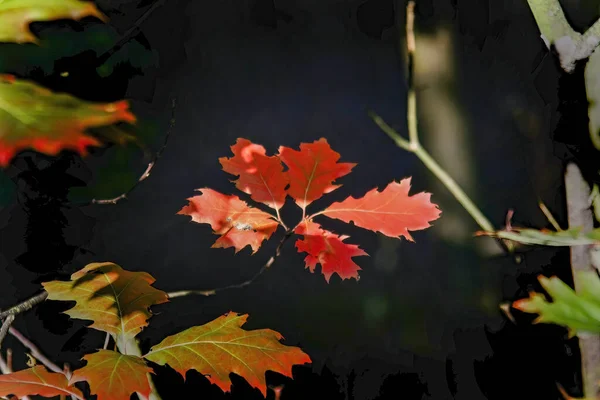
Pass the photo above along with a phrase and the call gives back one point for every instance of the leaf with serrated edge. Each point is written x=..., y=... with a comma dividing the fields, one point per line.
x=16, y=15
x=579, y=312
x=392, y=211
x=220, y=347
x=114, y=376
x=312, y=171
x=237, y=224
x=33, y=117
x=116, y=300
x=260, y=176
x=329, y=250
x=37, y=381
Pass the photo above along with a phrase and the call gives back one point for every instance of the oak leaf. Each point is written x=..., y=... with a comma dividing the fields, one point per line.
x=260, y=176
x=37, y=381
x=329, y=250
x=116, y=300
x=392, y=211
x=37, y=118
x=114, y=376
x=220, y=347
x=312, y=170
x=238, y=224
x=16, y=15
x=578, y=312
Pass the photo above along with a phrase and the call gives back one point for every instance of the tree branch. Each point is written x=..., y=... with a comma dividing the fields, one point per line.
x=570, y=45
x=149, y=168
x=580, y=215
x=267, y=265
x=35, y=352
x=25, y=305
x=5, y=325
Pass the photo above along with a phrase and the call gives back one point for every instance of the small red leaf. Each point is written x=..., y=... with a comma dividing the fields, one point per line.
x=312, y=171
x=37, y=381
x=392, y=212
x=238, y=224
x=260, y=176
x=329, y=250
x=114, y=376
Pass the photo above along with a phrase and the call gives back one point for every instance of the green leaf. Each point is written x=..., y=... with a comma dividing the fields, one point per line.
x=579, y=312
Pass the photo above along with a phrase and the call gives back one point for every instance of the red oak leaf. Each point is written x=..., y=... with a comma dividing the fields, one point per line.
x=238, y=224
x=37, y=381
x=392, y=212
x=114, y=376
x=221, y=346
x=312, y=170
x=329, y=250
x=260, y=176
x=34, y=117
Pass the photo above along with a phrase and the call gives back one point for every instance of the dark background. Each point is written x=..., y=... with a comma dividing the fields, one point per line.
x=423, y=322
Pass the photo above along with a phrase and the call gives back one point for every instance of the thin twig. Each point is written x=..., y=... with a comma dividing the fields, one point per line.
x=25, y=305
x=106, y=340
x=5, y=325
x=267, y=265
x=126, y=37
x=149, y=168
x=35, y=352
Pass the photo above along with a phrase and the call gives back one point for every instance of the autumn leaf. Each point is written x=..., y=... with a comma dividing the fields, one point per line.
x=238, y=224
x=114, y=376
x=260, y=176
x=312, y=171
x=34, y=117
x=37, y=381
x=329, y=250
x=116, y=300
x=579, y=312
x=16, y=15
x=392, y=212
x=220, y=347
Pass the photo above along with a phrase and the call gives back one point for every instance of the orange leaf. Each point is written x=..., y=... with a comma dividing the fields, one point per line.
x=329, y=250
x=220, y=347
x=260, y=176
x=312, y=170
x=114, y=376
x=37, y=381
x=238, y=224
x=392, y=212
x=16, y=15
x=115, y=299
x=34, y=117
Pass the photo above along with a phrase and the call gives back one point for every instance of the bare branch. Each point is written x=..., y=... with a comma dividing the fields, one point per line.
x=25, y=305
x=35, y=352
x=267, y=265
x=5, y=325
x=149, y=168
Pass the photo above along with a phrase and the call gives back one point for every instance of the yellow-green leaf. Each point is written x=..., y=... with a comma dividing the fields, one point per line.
x=220, y=347
x=16, y=15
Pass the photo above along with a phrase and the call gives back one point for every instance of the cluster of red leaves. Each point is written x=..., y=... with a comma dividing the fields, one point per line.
x=118, y=301
x=311, y=173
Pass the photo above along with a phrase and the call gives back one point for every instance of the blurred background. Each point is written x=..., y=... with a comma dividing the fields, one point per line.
x=424, y=321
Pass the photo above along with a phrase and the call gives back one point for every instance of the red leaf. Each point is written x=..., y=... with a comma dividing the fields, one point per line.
x=221, y=346
x=329, y=250
x=37, y=381
x=34, y=117
x=238, y=224
x=114, y=376
x=312, y=171
x=392, y=212
x=260, y=176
